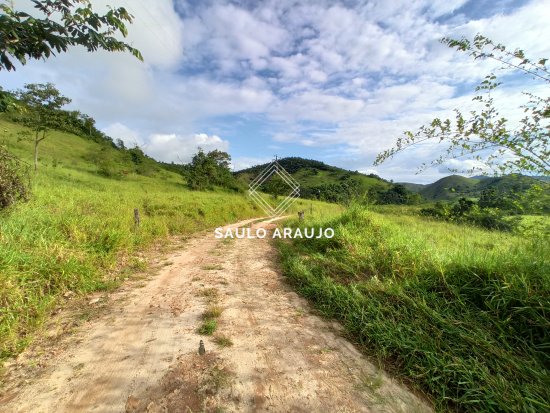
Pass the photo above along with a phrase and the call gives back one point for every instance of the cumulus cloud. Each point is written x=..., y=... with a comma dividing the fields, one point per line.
x=463, y=166
x=336, y=79
x=176, y=148
x=244, y=162
x=128, y=136
x=167, y=147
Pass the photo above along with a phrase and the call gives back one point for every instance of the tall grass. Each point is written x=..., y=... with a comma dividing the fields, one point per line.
x=79, y=226
x=461, y=313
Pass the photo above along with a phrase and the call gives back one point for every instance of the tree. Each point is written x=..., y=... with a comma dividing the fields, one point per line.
x=201, y=170
x=142, y=165
x=396, y=194
x=43, y=103
x=8, y=102
x=65, y=23
x=484, y=134
x=490, y=198
x=275, y=186
x=210, y=169
x=88, y=122
x=120, y=144
x=462, y=207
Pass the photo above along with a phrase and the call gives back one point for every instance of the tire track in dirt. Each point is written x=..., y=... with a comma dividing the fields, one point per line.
x=283, y=358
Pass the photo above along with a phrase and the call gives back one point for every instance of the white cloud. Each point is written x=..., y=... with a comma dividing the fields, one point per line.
x=463, y=165
x=157, y=30
x=128, y=136
x=526, y=28
x=167, y=147
x=176, y=148
x=315, y=105
x=244, y=162
x=347, y=76
x=368, y=171
x=226, y=34
x=207, y=98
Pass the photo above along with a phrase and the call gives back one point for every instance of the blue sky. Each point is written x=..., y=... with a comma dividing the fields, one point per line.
x=327, y=80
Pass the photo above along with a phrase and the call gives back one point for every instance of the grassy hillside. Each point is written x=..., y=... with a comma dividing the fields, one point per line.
x=461, y=313
x=509, y=183
x=321, y=181
x=450, y=187
x=413, y=187
x=78, y=226
x=315, y=176
x=456, y=186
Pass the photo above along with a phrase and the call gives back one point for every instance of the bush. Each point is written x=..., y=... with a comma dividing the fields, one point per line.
x=492, y=219
x=466, y=211
x=439, y=210
x=108, y=169
x=208, y=327
x=14, y=180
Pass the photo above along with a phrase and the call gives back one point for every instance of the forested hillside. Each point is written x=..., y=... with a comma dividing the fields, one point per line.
x=329, y=183
x=456, y=186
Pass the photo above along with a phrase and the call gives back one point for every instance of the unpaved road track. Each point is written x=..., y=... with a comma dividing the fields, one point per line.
x=142, y=356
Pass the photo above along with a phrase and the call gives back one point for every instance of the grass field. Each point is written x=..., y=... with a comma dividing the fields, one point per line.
x=459, y=312
x=79, y=226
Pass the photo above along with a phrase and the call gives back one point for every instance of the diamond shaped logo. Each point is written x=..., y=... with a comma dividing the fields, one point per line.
x=293, y=192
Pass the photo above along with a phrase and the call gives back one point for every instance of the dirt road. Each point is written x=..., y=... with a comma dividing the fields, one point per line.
x=269, y=352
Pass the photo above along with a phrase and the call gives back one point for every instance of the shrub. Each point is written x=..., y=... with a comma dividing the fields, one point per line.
x=14, y=179
x=439, y=210
x=491, y=219
x=108, y=169
x=468, y=212
x=208, y=327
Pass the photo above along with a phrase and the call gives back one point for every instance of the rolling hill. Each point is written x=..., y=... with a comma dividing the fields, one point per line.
x=456, y=186
x=450, y=187
x=321, y=181
x=318, y=180
x=416, y=188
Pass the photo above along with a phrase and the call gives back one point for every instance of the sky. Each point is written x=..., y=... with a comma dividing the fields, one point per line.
x=335, y=81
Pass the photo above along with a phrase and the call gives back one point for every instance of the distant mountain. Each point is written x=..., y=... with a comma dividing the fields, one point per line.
x=416, y=188
x=450, y=187
x=317, y=178
x=538, y=177
x=507, y=183
x=456, y=186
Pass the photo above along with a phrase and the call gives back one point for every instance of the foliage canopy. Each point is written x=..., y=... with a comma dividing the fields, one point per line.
x=485, y=134
x=42, y=104
x=211, y=169
x=65, y=23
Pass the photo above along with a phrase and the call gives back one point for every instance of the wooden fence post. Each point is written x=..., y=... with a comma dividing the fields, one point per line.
x=136, y=217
